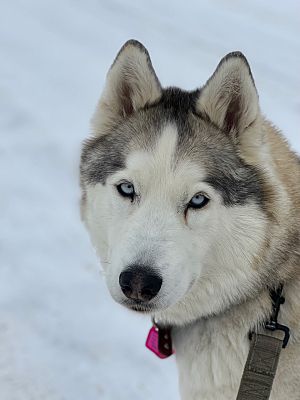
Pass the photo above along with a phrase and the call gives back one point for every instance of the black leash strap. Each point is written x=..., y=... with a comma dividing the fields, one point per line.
x=263, y=357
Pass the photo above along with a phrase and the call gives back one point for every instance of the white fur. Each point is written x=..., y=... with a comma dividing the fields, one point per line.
x=196, y=251
x=211, y=353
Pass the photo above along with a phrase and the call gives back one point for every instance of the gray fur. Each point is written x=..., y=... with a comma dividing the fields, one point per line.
x=199, y=140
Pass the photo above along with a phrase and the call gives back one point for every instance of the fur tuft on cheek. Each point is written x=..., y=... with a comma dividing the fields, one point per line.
x=231, y=263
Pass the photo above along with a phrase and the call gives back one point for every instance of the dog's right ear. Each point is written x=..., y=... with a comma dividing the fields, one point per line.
x=131, y=84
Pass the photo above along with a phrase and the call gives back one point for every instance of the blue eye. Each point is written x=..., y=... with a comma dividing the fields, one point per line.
x=126, y=189
x=198, y=201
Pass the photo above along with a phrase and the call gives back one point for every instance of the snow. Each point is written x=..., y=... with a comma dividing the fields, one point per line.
x=61, y=335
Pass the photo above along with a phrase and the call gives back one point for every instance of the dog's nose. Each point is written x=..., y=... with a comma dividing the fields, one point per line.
x=139, y=283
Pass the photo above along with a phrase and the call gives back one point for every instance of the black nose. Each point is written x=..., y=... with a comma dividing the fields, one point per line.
x=140, y=283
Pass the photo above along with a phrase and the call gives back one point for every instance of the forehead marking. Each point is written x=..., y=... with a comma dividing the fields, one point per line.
x=161, y=157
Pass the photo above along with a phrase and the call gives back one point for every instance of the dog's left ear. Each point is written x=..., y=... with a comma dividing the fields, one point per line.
x=131, y=84
x=229, y=98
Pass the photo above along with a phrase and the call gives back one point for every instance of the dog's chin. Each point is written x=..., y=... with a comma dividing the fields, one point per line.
x=139, y=307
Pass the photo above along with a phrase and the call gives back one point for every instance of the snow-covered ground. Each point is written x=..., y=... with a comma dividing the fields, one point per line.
x=61, y=336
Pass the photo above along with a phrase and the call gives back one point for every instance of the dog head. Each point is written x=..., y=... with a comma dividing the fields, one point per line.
x=173, y=195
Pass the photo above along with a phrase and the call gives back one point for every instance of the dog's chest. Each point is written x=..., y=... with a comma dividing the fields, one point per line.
x=210, y=360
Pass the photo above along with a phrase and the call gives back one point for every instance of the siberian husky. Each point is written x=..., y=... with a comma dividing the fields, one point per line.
x=192, y=202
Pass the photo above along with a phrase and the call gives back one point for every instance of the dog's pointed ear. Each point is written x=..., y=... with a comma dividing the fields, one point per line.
x=229, y=98
x=131, y=84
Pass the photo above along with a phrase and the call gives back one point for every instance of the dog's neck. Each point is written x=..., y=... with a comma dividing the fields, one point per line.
x=252, y=312
x=211, y=351
x=250, y=315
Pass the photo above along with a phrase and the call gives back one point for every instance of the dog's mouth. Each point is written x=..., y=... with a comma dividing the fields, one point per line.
x=138, y=306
